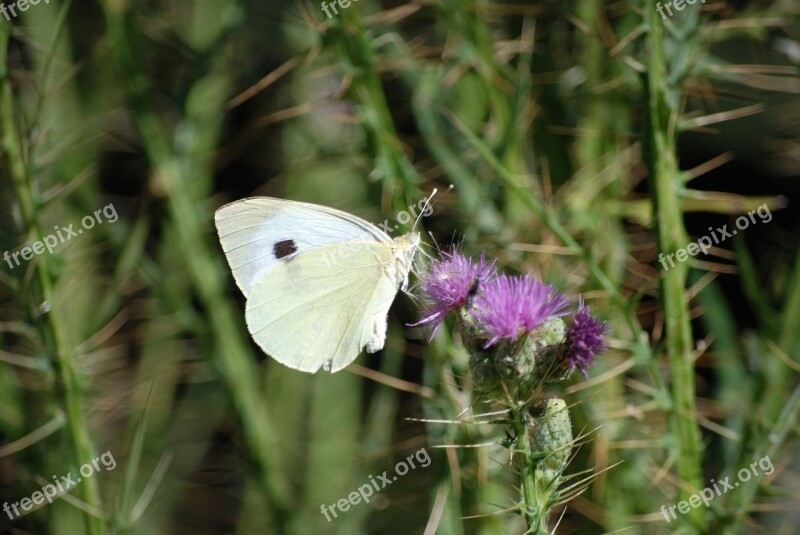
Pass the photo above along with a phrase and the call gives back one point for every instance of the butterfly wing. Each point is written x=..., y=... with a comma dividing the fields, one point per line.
x=258, y=232
x=322, y=307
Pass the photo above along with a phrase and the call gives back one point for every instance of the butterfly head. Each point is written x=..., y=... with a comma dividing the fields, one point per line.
x=407, y=244
x=405, y=247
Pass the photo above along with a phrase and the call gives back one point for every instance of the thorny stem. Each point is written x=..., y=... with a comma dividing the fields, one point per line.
x=534, y=510
x=668, y=220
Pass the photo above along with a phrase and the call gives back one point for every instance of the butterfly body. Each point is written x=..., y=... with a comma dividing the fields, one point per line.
x=318, y=281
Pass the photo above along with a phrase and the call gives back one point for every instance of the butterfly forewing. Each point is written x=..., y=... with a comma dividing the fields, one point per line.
x=258, y=232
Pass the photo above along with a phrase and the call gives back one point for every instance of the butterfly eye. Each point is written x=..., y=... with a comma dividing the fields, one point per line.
x=283, y=248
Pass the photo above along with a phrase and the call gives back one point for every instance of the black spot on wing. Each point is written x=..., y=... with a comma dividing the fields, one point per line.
x=283, y=248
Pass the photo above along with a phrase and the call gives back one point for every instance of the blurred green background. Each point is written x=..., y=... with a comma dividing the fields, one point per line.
x=582, y=139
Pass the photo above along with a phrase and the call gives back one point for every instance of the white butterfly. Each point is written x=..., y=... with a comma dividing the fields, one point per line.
x=318, y=281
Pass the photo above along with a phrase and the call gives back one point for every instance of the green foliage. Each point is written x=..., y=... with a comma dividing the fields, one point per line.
x=582, y=140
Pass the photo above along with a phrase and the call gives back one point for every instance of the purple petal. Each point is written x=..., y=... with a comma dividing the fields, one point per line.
x=508, y=307
x=447, y=285
x=585, y=338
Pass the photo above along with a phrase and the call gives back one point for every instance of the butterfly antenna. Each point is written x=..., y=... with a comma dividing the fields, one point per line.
x=424, y=211
x=429, y=204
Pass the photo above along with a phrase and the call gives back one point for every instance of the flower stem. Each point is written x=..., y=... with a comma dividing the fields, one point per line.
x=542, y=460
x=534, y=512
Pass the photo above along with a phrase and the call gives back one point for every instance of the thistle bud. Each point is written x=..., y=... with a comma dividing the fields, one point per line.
x=552, y=445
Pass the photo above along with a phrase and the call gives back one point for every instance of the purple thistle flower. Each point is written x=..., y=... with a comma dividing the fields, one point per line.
x=585, y=338
x=508, y=307
x=447, y=285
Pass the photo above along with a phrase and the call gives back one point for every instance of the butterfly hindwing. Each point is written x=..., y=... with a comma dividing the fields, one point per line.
x=321, y=308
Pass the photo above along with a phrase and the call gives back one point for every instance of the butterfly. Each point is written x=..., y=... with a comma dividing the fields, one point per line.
x=318, y=281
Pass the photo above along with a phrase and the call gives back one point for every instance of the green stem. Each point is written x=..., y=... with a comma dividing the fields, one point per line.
x=665, y=184
x=534, y=506
x=543, y=459
x=69, y=384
